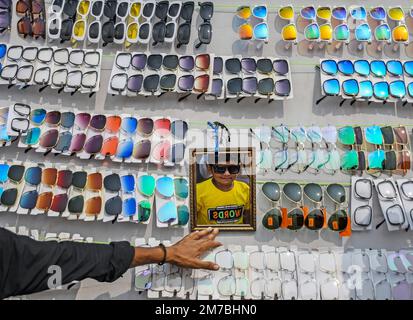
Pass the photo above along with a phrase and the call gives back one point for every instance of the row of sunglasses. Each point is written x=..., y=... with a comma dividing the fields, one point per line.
x=204, y=74
x=341, y=32
x=307, y=274
x=303, y=215
x=123, y=138
x=135, y=21
x=363, y=80
x=63, y=69
x=395, y=199
x=314, y=148
x=36, y=189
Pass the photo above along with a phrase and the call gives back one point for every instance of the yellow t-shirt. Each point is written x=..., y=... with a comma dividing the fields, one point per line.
x=215, y=206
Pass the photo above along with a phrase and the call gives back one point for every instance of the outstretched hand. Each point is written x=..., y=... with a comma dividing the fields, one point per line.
x=187, y=252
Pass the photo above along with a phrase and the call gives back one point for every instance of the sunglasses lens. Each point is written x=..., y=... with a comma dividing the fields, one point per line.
x=183, y=215
x=345, y=67
x=8, y=197
x=382, y=32
x=94, y=144
x=28, y=200
x=233, y=65
x=293, y=191
x=44, y=201
x=314, y=192
x=378, y=13
x=272, y=191
x=282, y=87
x=4, y=169
x=77, y=143
x=98, y=122
x=146, y=185
x=132, y=32
x=32, y=137
x=326, y=32
x=113, y=124
x=376, y=159
x=272, y=219
x=244, y=12
x=378, y=68
x=314, y=220
x=280, y=66
x=79, y=28
x=261, y=31
x=350, y=160
x=264, y=66
x=177, y=153
x=144, y=210
x=76, y=205
x=162, y=151
x=394, y=67
x=125, y=149
x=296, y=217
x=112, y=182
x=93, y=206
x=363, y=32
x=113, y=206
x=286, y=13
x=179, y=128
x=202, y=61
x=59, y=203
x=336, y=192
x=289, y=32
x=129, y=125
x=94, y=182
x=234, y=86
x=359, y=13
x=362, y=67
x=186, y=63
x=67, y=119
x=162, y=126
x=396, y=14
x=64, y=142
x=64, y=178
x=128, y=183
x=216, y=89
x=82, y=120
x=338, y=221
x=49, y=176
x=401, y=135
x=142, y=150
x=165, y=187
x=181, y=188
x=260, y=12
x=312, y=32
x=397, y=89
x=79, y=179
x=324, y=13
x=129, y=207
x=37, y=116
x=168, y=212
x=346, y=135
x=342, y=32
x=308, y=13
x=33, y=175
x=201, y=83
x=49, y=139
x=329, y=67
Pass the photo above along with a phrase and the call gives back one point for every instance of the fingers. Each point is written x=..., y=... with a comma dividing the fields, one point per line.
x=199, y=264
x=200, y=234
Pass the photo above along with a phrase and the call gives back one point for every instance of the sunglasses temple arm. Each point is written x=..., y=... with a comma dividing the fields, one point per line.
x=321, y=99
x=380, y=224
x=184, y=97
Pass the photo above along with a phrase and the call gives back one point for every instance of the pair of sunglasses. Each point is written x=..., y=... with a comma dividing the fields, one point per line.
x=206, y=11
x=184, y=29
x=5, y=15
x=165, y=29
x=33, y=23
x=314, y=220
x=13, y=176
x=167, y=188
x=248, y=31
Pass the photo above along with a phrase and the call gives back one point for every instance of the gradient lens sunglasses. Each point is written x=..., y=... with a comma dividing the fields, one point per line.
x=350, y=136
x=353, y=160
x=13, y=174
x=33, y=23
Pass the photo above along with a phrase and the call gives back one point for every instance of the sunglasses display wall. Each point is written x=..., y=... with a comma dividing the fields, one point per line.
x=379, y=81
x=395, y=198
x=63, y=69
x=254, y=26
x=123, y=138
x=93, y=195
x=5, y=15
x=33, y=22
x=327, y=24
x=307, y=274
x=309, y=208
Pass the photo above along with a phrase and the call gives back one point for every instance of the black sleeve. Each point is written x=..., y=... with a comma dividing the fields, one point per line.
x=24, y=262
